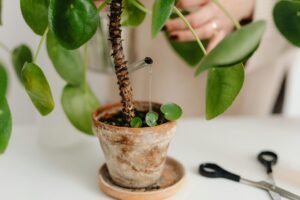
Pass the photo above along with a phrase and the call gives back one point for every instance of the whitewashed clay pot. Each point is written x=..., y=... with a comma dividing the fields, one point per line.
x=135, y=157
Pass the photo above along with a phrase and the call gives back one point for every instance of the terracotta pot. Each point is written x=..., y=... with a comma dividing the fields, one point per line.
x=135, y=157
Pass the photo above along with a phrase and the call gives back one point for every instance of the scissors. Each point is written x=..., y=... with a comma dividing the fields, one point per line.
x=212, y=170
x=269, y=159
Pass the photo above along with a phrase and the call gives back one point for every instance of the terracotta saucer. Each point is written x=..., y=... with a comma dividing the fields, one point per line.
x=170, y=182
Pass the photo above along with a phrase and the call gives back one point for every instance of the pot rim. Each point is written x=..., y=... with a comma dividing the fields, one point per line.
x=97, y=123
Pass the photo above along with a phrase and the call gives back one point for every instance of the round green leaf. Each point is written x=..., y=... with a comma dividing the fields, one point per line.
x=68, y=63
x=131, y=15
x=287, y=19
x=73, y=22
x=37, y=88
x=136, y=122
x=161, y=11
x=235, y=48
x=223, y=86
x=3, y=83
x=35, y=13
x=151, y=118
x=5, y=125
x=171, y=111
x=20, y=56
x=79, y=103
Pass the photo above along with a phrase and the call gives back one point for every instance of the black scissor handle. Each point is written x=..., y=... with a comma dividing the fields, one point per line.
x=268, y=159
x=211, y=170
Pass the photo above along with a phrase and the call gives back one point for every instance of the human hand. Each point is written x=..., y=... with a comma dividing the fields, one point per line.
x=208, y=20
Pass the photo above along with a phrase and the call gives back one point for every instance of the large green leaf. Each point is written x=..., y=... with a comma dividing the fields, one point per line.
x=189, y=51
x=235, y=48
x=68, y=63
x=131, y=15
x=19, y=57
x=161, y=11
x=223, y=86
x=73, y=22
x=5, y=125
x=37, y=88
x=35, y=13
x=287, y=19
x=79, y=103
x=3, y=83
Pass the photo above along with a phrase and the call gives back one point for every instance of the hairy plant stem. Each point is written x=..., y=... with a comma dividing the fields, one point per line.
x=36, y=55
x=121, y=65
x=182, y=17
x=227, y=13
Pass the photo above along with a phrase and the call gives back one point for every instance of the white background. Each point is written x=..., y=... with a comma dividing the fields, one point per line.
x=15, y=32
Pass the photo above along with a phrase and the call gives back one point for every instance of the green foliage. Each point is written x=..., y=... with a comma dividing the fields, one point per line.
x=68, y=63
x=188, y=51
x=37, y=88
x=5, y=125
x=235, y=48
x=136, y=122
x=223, y=86
x=35, y=13
x=151, y=118
x=78, y=103
x=131, y=15
x=73, y=22
x=161, y=11
x=171, y=111
x=287, y=19
x=19, y=57
x=3, y=83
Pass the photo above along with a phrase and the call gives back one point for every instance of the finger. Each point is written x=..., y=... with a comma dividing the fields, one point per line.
x=196, y=19
x=203, y=32
x=215, y=40
x=190, y=3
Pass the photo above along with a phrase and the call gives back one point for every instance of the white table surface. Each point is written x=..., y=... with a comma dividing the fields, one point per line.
x=32, y=170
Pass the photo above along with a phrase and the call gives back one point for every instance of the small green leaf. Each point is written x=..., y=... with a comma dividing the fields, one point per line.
x=287, y=19
x=223, y=86
x=19, y=57
x=171, y=111
x=131, y=15
x=161, y=11
x=79, y=103
x=68, y=63
x=136, y=122
x=151, y=118
x=3, y=83
x=37, y=88
x=73, y=22
x=235, y=48
x=35, y=13
x=5, y=125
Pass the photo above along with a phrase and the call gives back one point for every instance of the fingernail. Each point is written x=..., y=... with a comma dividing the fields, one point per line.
x=164, y=28
x=174, y=37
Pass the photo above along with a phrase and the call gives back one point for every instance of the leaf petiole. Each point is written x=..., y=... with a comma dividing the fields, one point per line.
x=40, y=45
x=182, y=17
x=140, y=7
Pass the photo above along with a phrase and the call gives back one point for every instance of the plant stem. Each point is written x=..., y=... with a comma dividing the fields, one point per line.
x=121, y=65
x=40, y=45
x=4, y=47
x=141, y=8
x=225, y=11
x=85, y=59
x=182, y=17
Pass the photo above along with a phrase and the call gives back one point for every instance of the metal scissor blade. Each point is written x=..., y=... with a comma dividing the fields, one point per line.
x=269, y=187
x=274, y=195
